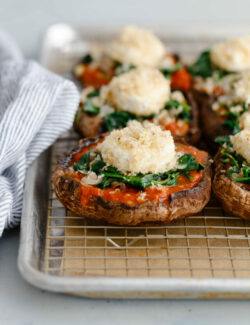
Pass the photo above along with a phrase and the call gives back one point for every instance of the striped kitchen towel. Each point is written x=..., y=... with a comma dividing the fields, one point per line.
x=36, y=106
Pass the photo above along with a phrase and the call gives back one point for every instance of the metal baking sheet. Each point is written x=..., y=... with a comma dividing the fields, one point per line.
x=204, y=256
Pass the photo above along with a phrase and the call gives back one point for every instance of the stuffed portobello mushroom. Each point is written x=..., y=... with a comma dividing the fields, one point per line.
x=134, y=47
x=228, y=113
x=214, y=65
x=221, y=84
x=132, y=176
x=140, y=94
x=231, y=184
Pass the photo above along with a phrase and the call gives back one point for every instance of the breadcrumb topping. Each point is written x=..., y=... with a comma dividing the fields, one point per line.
x=139, y=148
x=241, y=144
x=136, y=46
x=233, y=54
x=141, y=91
x=244, y=120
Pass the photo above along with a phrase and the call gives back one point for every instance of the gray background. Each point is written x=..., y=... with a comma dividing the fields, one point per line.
x=21, y=304
x=27, y=19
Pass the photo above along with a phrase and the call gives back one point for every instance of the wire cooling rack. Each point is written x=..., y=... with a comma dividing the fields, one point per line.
x=208, y=245
x=203, y=256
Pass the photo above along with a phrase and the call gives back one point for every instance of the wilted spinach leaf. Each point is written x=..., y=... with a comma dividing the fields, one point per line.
x=203, y=66
x=77, y=117
x=97, y=166
x=90, y=108
x=83, y=162
x=167, y=72
x=121, y=68
x=185, y=114
x=237, y=164
x=186, y=163
x=87, y=59
x=223, y=140
x=118, y=119
x=94, y=93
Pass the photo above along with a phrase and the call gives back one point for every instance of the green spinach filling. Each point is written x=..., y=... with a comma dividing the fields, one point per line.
x=223, y=140
x=90, y=108
x=87, y=59
x=185, y=113
x=232, y=118
x=204, y=67
x=239, y=170
x=167, y=72
x=93, y=161
x=121, y=68
x=119, y=119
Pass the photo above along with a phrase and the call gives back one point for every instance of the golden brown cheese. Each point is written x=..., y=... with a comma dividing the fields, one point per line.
x=139, y=148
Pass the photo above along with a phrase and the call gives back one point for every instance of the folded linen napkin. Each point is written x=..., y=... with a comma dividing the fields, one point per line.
x=36, y=106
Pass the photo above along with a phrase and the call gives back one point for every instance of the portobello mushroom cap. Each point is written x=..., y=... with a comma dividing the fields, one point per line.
x=199, y=97
x=234, y=197
x=179, y=205
x=210, y=124
x=91, y=126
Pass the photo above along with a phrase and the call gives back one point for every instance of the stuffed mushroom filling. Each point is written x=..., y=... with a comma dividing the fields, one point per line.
x=235, y=155
x=207, y=77
x=134, y=47
x=212, y=67
x=141, y=94
x=233, y=108
x=110, y=170
x=229, y=114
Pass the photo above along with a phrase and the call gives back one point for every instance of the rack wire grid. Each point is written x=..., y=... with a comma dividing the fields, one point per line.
x=211, y=244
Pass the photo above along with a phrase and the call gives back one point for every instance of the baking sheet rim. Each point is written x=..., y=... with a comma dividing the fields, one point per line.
x=119, y=287
x=114, y=287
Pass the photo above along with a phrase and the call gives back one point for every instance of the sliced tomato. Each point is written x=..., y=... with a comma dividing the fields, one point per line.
x=181, y=79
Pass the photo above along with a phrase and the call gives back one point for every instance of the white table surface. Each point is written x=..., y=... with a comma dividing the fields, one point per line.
x=22, y=304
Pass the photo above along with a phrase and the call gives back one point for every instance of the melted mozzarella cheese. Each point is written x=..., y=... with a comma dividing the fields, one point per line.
x=139, y=148
x=141, y=91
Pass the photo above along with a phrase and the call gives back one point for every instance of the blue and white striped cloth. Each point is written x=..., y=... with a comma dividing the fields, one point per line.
x=36, y=106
